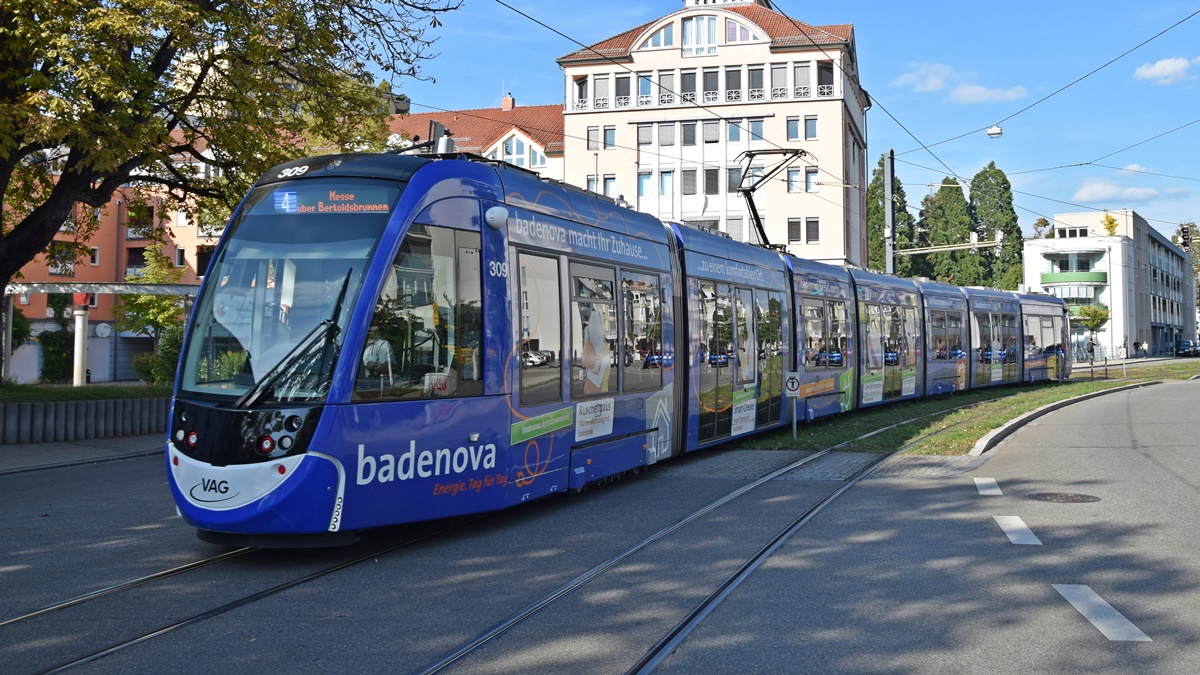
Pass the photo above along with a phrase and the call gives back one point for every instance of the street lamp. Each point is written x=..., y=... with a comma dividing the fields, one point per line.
x=995, y=131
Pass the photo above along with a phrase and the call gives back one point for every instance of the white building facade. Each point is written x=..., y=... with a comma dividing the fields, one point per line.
x=660, y=115
x=1144, y=280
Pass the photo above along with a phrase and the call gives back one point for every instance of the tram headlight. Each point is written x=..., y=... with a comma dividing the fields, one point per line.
x=293, y=423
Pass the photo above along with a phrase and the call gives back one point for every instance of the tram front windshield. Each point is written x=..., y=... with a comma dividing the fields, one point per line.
x=270, y=320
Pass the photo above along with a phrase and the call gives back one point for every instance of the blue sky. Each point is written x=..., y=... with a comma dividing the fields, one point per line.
x=940, y=70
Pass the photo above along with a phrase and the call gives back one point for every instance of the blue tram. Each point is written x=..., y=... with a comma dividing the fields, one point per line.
x=384, y=339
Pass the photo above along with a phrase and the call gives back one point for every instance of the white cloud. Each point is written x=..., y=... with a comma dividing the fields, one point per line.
x=1106, y=191
x=1135, y=168
x=1177, y=193
x=926, y=77
x=973, y=93
x=1166, y=71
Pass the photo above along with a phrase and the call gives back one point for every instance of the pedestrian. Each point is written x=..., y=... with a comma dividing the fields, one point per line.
x=1091, y=350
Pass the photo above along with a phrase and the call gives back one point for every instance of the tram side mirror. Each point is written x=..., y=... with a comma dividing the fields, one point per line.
x=496, y=217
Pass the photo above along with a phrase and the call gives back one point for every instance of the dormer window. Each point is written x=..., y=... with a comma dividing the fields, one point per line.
x=700, y=36
x=664, y=37
x=736, y=32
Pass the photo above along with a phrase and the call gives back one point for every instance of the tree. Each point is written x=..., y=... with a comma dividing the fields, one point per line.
x=905, y=224
x=1109, y=224
x=1092, y=317
x=151, y=315
x=992, y=207
x=95, y=94
x=1041, y=229
x=946, y=218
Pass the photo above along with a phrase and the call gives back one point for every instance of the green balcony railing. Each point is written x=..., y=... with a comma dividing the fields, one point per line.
x=1075, y=278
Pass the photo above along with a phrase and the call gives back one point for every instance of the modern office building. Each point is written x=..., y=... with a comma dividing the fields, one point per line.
x=1144, y=280
x=660, y=115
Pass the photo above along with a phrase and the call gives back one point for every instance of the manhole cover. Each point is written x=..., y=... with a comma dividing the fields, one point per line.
x=1064, y=498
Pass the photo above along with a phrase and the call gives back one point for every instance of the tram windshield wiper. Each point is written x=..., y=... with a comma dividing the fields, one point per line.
x=302, y=353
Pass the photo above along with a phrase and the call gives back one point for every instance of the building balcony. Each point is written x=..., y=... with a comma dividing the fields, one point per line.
x=1075, y=278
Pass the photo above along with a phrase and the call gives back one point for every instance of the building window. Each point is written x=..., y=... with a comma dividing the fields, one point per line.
x=514, y=151
x=180, y=258
x=601, y=100
x=793, y=128
x=756, y=130
x=663, y=37
x=812, y=231
x=793, y=180
x=645, y=134
x=92, y=301
x=536, y=158
x=734, y=178
x=203, y=256
x=824, y=78
x=666, y=88
x=733, y=225
x=666, y=183
x=689, y=181
x=689, y=133
x=779, y=80
x=666, y=134
x=644, y=185
x=687, y=89
x=810, y=127
x=622, y=100
x=803, y=85
x=712, y=131
x=581, y=93
x=733, y=84
x=700, y=36
x=591, y=183
x=736, y=32
x=610, y=186
x=24, y=298
x=593, y=138
x=712, y=92
x=94, y=259
x=61, y=259
x=794, y=230
x=810, y=180
x=610, y=138
x=712, y=181
x=645, y=90
x=735, y=131
x=755, y=91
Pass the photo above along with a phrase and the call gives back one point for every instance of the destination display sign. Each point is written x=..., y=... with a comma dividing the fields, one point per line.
x=325, y=198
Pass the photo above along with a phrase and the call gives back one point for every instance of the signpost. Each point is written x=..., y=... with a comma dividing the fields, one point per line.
x=791, y=388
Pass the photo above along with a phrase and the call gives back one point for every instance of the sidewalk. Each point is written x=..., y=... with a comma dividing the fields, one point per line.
x=18, y=458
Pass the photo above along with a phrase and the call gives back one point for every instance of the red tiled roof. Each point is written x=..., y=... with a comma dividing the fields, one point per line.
x=783, y=31
x=476, y=130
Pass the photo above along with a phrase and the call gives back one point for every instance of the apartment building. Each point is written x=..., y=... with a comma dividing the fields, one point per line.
x=660, y=116
x=1143, y=279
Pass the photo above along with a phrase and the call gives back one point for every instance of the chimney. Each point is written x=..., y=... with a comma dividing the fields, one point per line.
x=508, y=102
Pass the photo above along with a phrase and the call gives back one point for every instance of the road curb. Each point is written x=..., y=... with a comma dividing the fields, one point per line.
x=993, y=438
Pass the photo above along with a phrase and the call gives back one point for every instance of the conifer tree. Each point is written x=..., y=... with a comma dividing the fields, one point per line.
x=905, y=224
x=946, y=218
x=992, y=208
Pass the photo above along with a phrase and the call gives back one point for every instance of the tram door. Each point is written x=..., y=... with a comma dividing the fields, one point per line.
x=716, y=356
x=894, y=350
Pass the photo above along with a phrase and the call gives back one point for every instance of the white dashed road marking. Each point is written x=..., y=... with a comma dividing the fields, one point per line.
x=1102, y=615
x=988, y=487
x=1018, y=532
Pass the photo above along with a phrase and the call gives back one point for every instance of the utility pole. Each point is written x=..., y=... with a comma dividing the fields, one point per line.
x=889, y=211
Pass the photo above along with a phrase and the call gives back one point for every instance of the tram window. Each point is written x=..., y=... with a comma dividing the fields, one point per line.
x=954, y=326
x=912, y=337
x=593, y=331
x=541, y=329
x=816, y=347
x=747, y=343
x=769, y=319
x=895, y=343
x=642, y=352
x=839, y=334
x=872, y=318
x=938, y=348
x=424, y=340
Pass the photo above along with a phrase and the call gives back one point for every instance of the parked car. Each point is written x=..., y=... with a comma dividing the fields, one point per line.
x=833, y=357
x=656, y=361
x=1187, y=348
x=718, y=359
x=529, y=359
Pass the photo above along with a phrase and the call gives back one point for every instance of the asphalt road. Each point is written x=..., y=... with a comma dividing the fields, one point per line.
x=900, y=575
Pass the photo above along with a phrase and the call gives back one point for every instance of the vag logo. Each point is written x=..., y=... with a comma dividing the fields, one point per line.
x=211, y=490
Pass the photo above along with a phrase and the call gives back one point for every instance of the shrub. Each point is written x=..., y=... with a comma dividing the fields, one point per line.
x=57, y=355
x=143, y=365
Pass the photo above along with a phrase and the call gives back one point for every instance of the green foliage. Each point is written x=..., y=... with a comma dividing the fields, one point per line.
x=22, y=329
x=95, y=94
x=143, y=366
x=1042, y=229
x=946, y=217
x=995, y=218
x=166, y=355
x=226, y=365
x=57, y=303
x=1092, y=317
x=151, y=315
x=905, y=225
x=10, y=392
x=58, y=351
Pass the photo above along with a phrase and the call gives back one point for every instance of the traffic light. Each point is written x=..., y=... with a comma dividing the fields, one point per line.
x=1185, y=239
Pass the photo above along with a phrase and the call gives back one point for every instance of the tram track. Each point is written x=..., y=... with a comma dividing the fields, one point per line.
x=693, y=618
